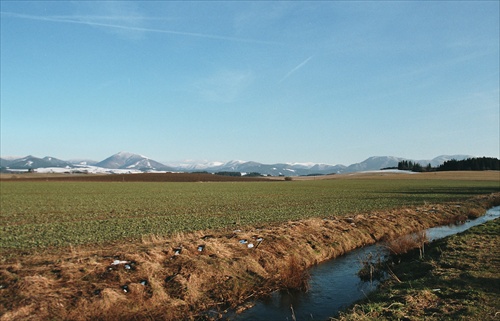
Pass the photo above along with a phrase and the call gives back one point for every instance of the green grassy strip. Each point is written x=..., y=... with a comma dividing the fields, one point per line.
x=41, y=214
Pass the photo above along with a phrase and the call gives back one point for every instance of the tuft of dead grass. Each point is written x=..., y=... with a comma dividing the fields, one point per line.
x=474, y=213
x=406, y=243
x=294, y=275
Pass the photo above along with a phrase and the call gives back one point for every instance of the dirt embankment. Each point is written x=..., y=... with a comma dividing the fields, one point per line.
x=182, y=276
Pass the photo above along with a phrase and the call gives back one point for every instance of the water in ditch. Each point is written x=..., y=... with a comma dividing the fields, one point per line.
x=334, y=284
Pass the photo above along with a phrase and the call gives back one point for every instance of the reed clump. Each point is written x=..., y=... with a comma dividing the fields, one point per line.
x=474, y=213
x=372, y=267
x=406, y=243
x=295, y=275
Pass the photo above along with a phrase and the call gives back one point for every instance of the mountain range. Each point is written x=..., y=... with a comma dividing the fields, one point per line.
x=124, y=162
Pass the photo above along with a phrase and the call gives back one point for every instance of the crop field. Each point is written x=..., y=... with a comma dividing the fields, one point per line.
x=53, y=213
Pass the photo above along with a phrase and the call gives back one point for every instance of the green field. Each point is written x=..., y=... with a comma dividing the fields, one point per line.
x=41, y=214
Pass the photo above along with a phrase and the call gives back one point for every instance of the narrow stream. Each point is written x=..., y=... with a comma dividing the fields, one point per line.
x=334, y=284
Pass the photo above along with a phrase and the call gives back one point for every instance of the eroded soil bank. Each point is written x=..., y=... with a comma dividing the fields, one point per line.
x=182, y=276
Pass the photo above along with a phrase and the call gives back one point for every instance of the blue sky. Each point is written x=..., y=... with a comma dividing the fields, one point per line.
x=327, y=82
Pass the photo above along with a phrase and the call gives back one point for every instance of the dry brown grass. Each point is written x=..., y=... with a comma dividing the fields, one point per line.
x=473, y=213
x=406, y=243
x=294, y=275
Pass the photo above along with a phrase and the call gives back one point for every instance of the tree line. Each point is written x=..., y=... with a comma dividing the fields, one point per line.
x=413, y=166
x=469, y=164
x=472, y=164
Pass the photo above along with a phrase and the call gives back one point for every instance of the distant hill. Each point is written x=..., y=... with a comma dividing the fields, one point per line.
x=374, y=163
x=379, y=162
x=5, y=162
x=83, y=162
x=32, y=162
x=439, y=160
x=124, y=162
x=279, y=169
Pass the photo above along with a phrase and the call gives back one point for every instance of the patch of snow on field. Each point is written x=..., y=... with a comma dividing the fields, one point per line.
x=51, y=170
x=393, y=171
x=86, y=169
x=160, y=172
x=16, y=170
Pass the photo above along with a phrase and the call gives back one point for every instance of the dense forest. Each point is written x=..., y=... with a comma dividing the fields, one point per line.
x=469, y=164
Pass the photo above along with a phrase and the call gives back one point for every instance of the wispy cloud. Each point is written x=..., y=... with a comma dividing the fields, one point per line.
x=94, y=21
x=224, y=86
x=89, y=18
x=302, y=64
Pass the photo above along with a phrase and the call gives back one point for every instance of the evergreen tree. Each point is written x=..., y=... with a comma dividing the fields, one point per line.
x=471, y=164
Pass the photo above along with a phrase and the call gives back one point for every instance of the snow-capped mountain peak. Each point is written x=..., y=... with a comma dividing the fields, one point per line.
x=126, y=160
x=31, y=162
x=194, y=165
x=129, y=155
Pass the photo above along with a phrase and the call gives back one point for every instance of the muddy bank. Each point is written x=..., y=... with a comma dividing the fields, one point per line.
x=181, y=276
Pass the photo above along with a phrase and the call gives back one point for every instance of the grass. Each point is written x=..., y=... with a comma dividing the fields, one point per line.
x=457, y=279
x=44, y=214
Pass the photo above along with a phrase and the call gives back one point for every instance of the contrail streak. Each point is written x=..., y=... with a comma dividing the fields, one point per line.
x=302, y=64
x=107, y=25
